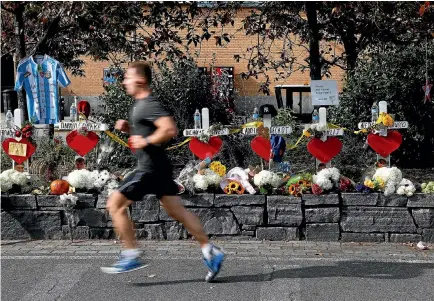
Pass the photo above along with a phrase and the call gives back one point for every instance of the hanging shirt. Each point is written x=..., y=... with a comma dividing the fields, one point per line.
x=39, y=77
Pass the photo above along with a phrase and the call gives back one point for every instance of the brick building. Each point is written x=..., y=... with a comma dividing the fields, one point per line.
x=91, y=86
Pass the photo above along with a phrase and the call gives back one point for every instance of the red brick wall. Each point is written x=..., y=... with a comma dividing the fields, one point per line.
x=91, y=85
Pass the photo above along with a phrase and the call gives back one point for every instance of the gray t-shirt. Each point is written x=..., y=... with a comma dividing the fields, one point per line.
x=145, y=111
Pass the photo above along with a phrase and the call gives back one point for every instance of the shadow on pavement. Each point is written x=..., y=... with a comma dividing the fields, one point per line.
x=358, y=269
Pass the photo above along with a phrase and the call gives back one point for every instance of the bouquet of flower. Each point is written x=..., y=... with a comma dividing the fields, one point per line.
x=68, y=200
x=81, y=179
x=326, y=179
x=406, y=187
x=376, y=184
x=428, y=187
x=85, y=179
x=236, y=181
x=266, y=180
x=299, y=184
x=390, y=176
x=346, y=184
x=11, y=177
x=385, y=119
x=218, y=168
x=206, y=178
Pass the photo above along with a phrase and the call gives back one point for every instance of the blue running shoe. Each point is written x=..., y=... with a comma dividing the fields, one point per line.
x=214, y=264
x=125, y=265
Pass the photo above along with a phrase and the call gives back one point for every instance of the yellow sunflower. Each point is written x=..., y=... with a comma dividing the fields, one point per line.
x=218, y=168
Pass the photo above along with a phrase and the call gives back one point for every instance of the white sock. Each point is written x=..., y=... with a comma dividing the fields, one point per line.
x=206, y=251
x=131, y=253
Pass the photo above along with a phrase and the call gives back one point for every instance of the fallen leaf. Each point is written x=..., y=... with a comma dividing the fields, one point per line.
x=422, y=10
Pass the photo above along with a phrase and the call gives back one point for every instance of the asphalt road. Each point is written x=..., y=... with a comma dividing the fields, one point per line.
x=77, y=278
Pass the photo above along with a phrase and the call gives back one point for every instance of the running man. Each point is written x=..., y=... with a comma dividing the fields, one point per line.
x=150, y=126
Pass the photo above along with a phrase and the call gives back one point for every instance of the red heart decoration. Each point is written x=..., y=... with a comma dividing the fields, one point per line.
x=82, y=144
x=262, y=147
x=384, y=146
x=203, y=150
x=324, y=150
x=19, y=159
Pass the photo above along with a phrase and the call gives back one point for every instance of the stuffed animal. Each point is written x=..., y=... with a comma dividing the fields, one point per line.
x=406, y=187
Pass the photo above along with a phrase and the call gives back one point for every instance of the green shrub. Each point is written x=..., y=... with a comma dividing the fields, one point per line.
x=396, y=76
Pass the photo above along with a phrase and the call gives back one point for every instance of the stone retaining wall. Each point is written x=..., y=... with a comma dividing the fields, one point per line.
x=346, y=217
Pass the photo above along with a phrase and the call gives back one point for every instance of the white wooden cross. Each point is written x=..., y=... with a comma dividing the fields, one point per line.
x=328, y=133
x=67, y=126
x=205, y=128
x=382, y=105
x=273, y=130
x=10, y=133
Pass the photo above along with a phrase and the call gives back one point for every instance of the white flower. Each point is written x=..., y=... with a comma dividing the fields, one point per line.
x=5, y=182
x=112, y=186
x=200, y=182
x=80, y=178
x=68, y=199
x=275, y=180
x=10, y=177
x=262, y=178
x=212, y=178
x=18, y=178
x=266, y=177
x=326, y=178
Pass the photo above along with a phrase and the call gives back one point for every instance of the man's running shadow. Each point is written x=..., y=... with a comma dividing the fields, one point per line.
x=357, y=269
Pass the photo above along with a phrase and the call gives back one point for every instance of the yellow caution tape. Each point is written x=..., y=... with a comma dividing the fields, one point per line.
x=116, y=138
x=180, y=144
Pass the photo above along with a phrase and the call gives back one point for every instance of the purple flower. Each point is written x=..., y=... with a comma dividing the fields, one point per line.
x=363, y=188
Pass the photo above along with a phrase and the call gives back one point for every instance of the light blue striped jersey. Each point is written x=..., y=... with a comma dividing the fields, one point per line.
x=39, y=75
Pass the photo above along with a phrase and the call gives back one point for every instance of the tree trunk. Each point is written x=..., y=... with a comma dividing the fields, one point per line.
x=314, y=38
x=21, y=51
x=350, y=45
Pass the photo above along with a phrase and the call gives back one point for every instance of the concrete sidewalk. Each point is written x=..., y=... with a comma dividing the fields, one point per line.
x=234, y=249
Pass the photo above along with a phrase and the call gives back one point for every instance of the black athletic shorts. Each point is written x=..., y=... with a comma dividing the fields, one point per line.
x=140, y=183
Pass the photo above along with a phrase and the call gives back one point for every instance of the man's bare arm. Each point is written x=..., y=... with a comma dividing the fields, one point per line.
x=166, y=130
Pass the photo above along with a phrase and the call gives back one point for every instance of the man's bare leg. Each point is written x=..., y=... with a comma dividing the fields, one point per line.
x=174, y=207
x=213, y=256
x=130, y=258
x=117, y=205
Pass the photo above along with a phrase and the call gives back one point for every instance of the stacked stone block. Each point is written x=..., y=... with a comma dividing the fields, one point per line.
x=346, y=217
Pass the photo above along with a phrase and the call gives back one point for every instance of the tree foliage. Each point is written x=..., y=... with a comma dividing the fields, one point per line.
x=318, y=27
x=119, y=31
x=396, y=76
x=168, y=31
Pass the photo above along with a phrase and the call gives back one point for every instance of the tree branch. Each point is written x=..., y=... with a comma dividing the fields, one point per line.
x=334, y=62
x=7, y=9
x=49, y=33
